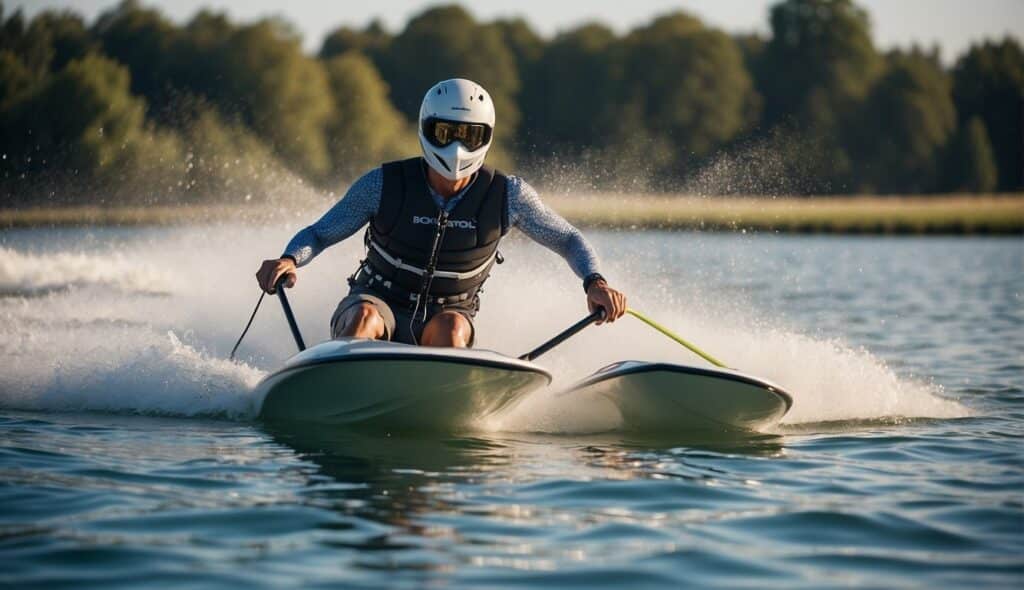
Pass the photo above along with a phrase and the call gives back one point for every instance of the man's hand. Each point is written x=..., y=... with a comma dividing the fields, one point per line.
x=601, y=295
x=272, y=270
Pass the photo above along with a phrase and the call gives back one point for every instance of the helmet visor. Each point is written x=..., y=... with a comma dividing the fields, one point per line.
x=441, y=133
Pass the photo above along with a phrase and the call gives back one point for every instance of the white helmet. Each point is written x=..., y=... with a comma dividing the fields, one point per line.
x=456, y=124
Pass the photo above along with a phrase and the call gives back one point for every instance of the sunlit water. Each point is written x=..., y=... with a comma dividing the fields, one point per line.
x=129, y=452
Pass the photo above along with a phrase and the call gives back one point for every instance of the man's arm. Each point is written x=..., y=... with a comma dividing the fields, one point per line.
x=342, y=220
x=352, y=212
x=551, y=230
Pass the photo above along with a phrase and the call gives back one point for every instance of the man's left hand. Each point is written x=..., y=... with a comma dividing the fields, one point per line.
x=601, y=295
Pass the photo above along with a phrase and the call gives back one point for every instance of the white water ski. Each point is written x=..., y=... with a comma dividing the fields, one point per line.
x=396, y=386
x=665, y=397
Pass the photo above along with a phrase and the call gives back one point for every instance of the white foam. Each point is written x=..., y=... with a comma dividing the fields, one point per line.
x=139, y=374
x=149, y=332
x=23, y=273
x=829, y=379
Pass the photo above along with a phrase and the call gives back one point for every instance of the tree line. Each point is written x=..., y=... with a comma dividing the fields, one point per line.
x=136, y=108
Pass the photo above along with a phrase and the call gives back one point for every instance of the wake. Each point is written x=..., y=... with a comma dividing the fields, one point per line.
x=149, y=332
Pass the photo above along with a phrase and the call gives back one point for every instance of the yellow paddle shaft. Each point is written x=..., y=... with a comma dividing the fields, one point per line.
x=675, y=337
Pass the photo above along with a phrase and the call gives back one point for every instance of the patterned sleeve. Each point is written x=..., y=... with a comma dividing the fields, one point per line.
x=549, y=229
x=345, y=218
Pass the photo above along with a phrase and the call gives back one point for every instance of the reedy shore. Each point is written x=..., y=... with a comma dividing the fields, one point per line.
x=941, y=215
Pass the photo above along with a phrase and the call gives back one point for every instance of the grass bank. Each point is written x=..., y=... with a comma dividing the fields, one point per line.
x=116, y=215
x=951, y=215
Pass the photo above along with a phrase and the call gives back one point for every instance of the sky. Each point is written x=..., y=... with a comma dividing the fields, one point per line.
x=951, y=24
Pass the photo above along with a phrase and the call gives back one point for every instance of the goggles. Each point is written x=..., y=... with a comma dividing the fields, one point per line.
x=441, y=133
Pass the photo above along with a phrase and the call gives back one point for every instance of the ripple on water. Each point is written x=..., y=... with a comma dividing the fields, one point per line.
x=858, y=493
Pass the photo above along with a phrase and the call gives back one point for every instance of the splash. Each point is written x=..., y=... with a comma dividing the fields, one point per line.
x=148, y=331
x=829, y=379
x=782, y=163
x=138, y=373
x=28, y=274
x=97, y=331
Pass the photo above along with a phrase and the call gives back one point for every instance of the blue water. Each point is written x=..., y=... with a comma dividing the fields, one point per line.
x=129, y=456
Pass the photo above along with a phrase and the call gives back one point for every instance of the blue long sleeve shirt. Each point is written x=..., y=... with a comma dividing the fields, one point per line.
x=525, y=212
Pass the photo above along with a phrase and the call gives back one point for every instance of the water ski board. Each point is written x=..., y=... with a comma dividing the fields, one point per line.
x=395, y=386
x=665, y=397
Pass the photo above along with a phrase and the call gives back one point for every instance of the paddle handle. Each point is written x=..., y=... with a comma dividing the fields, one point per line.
x=279, y=288
x=564, y=335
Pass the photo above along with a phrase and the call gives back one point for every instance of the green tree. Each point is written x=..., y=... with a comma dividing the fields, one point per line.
x=524, y=43
x=989, y=84
x=752, y=46
x=143, y=40
x=255, y=75
x=569, y=94
x=34, y=51
x=196, y=62
x=91, y=135
x=15, y=78
x=905, y=125
x=373, y=40
x=526, y=47
x=818, y=48
x=283, y=95
x=690, y=84
x=971, y=165
x=365, y=129
x=224, y=160
x=208, y=29
x=29, y=52
x=66, y=35
x=102, y=140
x=813, y=76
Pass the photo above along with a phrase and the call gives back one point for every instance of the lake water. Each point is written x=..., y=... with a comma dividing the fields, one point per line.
x=129, y=453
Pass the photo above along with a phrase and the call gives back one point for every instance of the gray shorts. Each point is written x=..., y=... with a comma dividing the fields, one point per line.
x=399, y=325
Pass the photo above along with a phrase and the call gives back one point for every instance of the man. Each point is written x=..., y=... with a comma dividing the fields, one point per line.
x=434, y=226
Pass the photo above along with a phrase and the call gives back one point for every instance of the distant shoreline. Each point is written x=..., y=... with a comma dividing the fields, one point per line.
x=918, y=215
x=938, y=215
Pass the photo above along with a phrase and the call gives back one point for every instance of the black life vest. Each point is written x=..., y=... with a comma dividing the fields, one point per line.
x=401, y=236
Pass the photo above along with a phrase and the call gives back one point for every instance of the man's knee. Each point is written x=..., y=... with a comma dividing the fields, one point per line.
x=450, y=321
x=365, y=313
x=448, y=328
x=361, y=321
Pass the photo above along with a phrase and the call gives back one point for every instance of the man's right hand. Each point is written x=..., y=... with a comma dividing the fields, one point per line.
x=272, y=270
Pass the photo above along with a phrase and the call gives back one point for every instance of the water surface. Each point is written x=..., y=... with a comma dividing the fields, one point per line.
x=129, y=455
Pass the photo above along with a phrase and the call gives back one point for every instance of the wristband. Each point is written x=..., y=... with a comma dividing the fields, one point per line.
x=591, y=279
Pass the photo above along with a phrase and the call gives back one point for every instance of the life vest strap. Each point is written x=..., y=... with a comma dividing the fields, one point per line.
x=443, y=274
x=366, y=275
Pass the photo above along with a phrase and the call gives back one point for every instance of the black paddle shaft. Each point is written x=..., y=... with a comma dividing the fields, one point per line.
x=565, y=335
x=279, y=287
